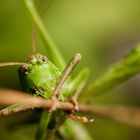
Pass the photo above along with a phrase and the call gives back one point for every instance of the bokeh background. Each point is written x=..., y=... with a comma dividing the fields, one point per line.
x=103, y=31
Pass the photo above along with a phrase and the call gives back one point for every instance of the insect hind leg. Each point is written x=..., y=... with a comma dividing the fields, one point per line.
x=77, y=86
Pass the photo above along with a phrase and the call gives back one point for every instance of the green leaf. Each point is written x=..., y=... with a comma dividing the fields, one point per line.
x=75, y=131
x=116, y=74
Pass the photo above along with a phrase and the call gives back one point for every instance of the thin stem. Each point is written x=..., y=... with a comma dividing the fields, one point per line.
x=66, y=72
x=125, y=114
x=42, y=127
x=34, y=102
x=78, y=91
x=76, y=94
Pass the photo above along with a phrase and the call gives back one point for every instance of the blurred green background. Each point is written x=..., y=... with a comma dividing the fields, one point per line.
x=102, y=31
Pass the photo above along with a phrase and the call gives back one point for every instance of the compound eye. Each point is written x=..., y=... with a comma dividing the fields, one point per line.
x=44, y=59
x=25, y=69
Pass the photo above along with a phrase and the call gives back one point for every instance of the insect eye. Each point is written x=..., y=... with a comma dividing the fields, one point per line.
x=25, y=69
x=43, y=59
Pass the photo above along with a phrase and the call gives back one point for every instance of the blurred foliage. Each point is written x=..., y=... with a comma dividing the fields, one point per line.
x=103, y=31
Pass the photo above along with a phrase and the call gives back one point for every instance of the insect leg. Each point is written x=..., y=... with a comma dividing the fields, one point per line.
x=77, y=86
x=76, y=94
x=64, y=77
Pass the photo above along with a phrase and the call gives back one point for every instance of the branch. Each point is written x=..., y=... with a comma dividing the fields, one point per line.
x=29, y=102
x=9, y=97
x=129, y=115
x=32, y=103
x=125, y=114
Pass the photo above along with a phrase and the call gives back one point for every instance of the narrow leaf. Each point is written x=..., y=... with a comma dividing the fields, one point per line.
x=115, y=75
x=75, y=131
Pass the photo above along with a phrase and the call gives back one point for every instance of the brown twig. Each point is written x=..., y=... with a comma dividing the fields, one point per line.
x=9, y=97
x=66, y=72
x=125, y=114
x=32, y=103
x=129, y=114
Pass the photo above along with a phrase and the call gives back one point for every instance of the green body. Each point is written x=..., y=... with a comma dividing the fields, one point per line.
x=41, y=77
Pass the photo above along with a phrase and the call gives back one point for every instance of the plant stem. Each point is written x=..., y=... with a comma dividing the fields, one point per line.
x=125, y=114
x=42, y=127
x=75, y=133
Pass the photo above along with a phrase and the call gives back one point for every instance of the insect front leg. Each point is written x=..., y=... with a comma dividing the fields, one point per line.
x=64, y=77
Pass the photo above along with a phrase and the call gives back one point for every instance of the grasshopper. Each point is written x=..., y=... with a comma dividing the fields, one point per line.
x=40, y=76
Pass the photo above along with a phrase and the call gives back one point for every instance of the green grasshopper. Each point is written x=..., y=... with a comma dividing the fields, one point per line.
x=42, y=77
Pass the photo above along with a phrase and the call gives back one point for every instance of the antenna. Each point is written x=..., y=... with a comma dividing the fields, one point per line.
x=11, y=64
x=33, y=40
x=43, y=9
